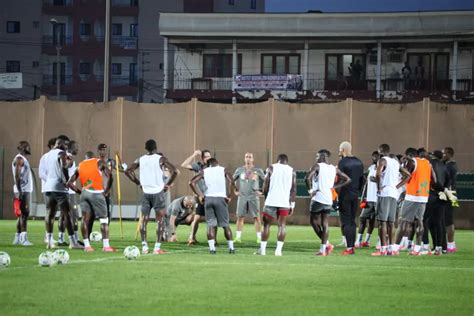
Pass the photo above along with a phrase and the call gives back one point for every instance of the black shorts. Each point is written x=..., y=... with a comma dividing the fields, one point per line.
x=56, y=199
x=200, y=209
x=181, y=220
x=448, y=215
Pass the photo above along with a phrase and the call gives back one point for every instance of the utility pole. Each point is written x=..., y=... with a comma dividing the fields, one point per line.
x=107, y=51
x=55, y=25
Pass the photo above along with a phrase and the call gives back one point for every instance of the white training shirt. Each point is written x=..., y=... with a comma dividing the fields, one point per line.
x=26, y=180
x=42, y=171
x=214, y=177
x=151, y=175
x=325, y=182
x=55, y=179
x=70, y=171
x=390, y=178
x=372, y=185
x=280, y=186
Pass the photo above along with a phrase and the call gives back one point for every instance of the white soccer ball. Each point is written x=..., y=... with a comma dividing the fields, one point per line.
x=46, y=259
x=95, y=236
x=4, y=260
x=131, y=252
x=61, y=256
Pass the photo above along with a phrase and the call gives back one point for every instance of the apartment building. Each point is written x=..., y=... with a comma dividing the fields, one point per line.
x=32, y=33
x=319, y=56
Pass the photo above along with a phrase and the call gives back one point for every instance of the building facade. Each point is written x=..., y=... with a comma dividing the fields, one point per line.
x=390, y=56
x=32, y=32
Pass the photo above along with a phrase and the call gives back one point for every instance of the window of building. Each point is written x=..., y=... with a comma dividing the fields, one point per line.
x=117, y=29
x=133, y=74
x=13, y=27
x=85, y=29
x=220, y=65
x=85, y=68
x=13, y=66
x=116, y=68
x=253, y=4
x=231, y=2
x=134, y=30
x=346, y=71
x=35, y=64
x=280, y=64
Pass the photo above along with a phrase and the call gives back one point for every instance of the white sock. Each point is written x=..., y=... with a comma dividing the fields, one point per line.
x=390, y=247
x=49, y=236
x=144, y=244
x=239, y=234
x=426, y=246
x=87, y=243
x=76, y=235
x=396, y=247
x=359, y=238
x=212, y=244
x=344, y=241
x=263, y=247
x=105, y=243
x=279, y=247
x=383, y=248
x=322, y=248
x=367, y=237
x=22, y=236
x=157, y=245
x=404, y=241
x=60, y=237
x=17, y=235
x=417, y=248
x=259, y=236
x=230, y=243
x=71, y=240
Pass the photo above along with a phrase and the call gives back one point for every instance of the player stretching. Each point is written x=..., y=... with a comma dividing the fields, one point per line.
x=151, y=180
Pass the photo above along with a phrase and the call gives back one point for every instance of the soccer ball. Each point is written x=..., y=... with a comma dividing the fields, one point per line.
x=61, y=256
x=46, y=259
x=95, y=236
x=131, y=252
x=4, y=260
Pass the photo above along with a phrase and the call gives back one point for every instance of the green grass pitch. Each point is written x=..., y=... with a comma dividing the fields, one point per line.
x=190, y=281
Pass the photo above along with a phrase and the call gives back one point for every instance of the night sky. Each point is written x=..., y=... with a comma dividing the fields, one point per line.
x=367, y=5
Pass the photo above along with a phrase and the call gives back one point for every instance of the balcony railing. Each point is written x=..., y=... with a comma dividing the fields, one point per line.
x=126, y=42
x=123, y=81
x=51, y=79
x=315, y=82
x=58, y=2
x=125, y=3
x=50, y=40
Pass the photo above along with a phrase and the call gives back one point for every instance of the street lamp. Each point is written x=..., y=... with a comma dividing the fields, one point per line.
x=55, y=25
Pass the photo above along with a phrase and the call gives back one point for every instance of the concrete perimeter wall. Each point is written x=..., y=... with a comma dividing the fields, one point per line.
x=229, y=131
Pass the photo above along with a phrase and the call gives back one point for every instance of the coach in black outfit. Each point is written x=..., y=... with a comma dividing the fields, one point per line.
x=349, y=194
